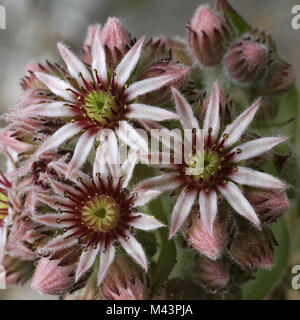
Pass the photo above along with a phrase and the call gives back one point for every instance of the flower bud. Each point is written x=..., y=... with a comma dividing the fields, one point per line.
x=268, y=204
x=116, y=41
x=157, y=69
x=213, y=275
x=17, y=271
x=246, y=61
x=253, y=249
x=280, y=79
x=179, y=51
x=212, y=246
x=55, y=274
x=124, y=281
x=88, y=42
x=25, y=237
x=206, y=36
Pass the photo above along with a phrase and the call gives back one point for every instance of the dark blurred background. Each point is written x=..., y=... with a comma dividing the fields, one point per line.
x=35, y=26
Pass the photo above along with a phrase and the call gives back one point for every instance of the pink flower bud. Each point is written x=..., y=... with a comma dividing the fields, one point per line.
x=179, y=51
x=25, y=237
x=268, y=204
x=246, y=61
x=17, y=271
x=55, y=274
x=124, y=281
x=213, y=275
x=212, y=246
x=280, y=78
x=206, y=36
x=88, y=42
x=253, y=249
x=116, y=41
x=157, y=69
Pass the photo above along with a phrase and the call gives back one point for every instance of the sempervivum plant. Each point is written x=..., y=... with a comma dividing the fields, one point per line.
x=90, y=168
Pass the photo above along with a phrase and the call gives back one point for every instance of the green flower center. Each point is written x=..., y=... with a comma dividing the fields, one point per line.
x=100, y=106
x=101, y=213
x=204, y=165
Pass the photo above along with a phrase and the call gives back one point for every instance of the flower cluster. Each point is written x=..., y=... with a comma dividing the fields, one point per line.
x=83, y=182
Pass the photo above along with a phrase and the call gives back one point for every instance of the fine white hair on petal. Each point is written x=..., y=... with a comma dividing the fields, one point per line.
x=107, y=256
x=99, y=58
x=135, y=250
x=208, y=209
x=143, y=111
x=184, y=111
x=212, y=116
x=128, y=63
x=86, y=261
x=256, y=147
x=257, y=179
x=147, y=85
x=239, y=203
x=113, y=156
x=146, y=222
x=74, y=64
x=100, y=163
x=240, y=124
x=57, y=86
x=182, y=209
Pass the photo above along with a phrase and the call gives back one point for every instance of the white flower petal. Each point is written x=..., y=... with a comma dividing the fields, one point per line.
x=55, y=220
x=59, y=137
x=147, y=85
x=61, y=242
x=86, y=261
x=208, y=209
x=184, y=111
x=127, y=169
x=135, y=250
x=106, y=259
x=146, y=222
x=182, y=209
x=132, y=138
x=144, y=197
x=53, y=110
x=57, y=86
x=256, y=147
x=168, y=181
x=82, y=150
x=239, y=203
x=257, y=179
x=113, y=160
x=99, y=58
x=143, y=111
x=74, y=64
x=100, y=163
x=240, y=124
x=212, y=117
x=128, y=63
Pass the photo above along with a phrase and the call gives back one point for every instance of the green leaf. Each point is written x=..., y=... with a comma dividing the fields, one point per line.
x=161, y=209
x=239, y=24
x=266, y=280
